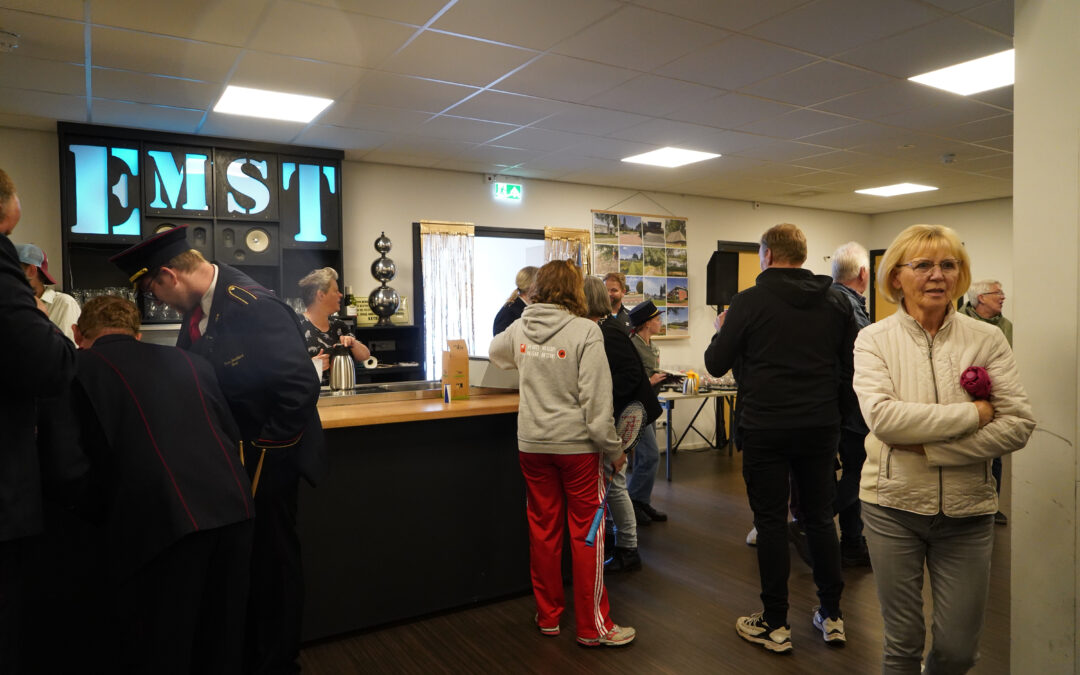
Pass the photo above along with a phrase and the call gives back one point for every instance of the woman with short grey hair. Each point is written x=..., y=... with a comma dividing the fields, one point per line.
x=321, y=297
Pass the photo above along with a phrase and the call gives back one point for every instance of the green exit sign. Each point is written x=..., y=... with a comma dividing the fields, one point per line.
x=508, y=191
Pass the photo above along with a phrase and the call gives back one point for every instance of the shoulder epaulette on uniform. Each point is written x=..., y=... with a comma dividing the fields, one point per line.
x=241, y=294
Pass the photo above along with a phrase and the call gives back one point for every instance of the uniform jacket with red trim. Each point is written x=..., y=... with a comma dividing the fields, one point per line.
x=36, y=360
x=253, y=341
x=146, y=445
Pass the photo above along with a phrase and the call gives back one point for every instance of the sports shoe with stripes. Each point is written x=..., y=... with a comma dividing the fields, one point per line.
x=832, y=630
x=550, y=632
x=754, y=629
x=616, y=637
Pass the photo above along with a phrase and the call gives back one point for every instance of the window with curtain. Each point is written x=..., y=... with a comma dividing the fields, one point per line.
x=562, y=243
x=446, y=250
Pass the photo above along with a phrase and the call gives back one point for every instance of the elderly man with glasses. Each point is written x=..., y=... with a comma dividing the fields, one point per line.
x=985, y=300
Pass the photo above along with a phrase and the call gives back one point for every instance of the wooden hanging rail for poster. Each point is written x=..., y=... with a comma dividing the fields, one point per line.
x=446, y=227
x=644, y=215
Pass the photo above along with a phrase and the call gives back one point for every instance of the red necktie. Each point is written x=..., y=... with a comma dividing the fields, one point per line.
x=193, y=327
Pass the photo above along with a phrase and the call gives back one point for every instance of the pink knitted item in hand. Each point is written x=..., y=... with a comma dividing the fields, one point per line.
x=976, y=381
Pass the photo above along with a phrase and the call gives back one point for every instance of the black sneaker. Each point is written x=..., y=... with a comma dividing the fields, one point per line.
x=648, y=510
x=643, y=519
x=754, y=629
x=623, y=560
x=832, y=629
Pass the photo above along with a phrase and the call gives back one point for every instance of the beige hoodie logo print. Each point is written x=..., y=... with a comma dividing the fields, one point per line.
x=542, y=351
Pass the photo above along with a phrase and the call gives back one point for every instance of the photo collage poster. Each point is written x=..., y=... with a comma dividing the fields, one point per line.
x=651, y=252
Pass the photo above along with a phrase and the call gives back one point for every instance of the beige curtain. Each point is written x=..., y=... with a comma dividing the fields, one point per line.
x=561, y=243
x=446, y=251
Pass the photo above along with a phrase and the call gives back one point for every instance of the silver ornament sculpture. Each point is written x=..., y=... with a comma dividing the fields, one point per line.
x=384, y=301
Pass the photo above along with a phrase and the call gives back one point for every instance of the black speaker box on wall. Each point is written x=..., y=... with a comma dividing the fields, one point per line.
x=723, y=278
x=246, y=243
x=200, y=233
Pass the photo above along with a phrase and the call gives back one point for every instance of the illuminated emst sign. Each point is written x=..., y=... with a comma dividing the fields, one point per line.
x=510, y=192
x=111, y=194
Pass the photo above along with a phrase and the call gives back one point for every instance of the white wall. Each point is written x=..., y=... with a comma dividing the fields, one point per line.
x=1045, y=522
x=31, y=159
x=985, y=227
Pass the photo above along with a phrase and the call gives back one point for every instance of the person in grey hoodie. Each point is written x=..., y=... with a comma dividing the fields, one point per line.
x=565, y=434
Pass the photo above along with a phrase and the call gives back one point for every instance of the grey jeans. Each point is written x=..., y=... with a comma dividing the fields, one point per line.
x=956, y=552
x=622, y=511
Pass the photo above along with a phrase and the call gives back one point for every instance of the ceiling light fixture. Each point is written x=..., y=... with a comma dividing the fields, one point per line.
x=972, y=77
x=670, y=157
x=894, y=190
x=273, y=105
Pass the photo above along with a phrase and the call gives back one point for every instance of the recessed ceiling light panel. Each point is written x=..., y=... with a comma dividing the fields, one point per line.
x=971, y=77
x=670, y=157
x=898, y=189
x=272, y=105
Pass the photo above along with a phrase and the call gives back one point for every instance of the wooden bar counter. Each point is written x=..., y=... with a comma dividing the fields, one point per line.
x=423, y=508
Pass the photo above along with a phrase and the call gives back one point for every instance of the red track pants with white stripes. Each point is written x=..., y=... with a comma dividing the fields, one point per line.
x=560, y=489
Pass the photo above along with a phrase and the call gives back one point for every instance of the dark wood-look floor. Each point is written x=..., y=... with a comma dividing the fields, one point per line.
x=699, y=576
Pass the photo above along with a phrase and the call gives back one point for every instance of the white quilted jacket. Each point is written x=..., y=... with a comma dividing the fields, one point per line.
x=909, y=391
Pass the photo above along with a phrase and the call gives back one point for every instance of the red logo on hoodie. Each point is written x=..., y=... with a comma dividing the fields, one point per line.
x=562, y=353
x=522, y=347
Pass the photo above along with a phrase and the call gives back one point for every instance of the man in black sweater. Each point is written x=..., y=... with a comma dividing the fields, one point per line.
x=789, y=340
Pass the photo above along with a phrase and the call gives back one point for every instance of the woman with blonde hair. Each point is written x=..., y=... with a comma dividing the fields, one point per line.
x=566, y=431
x=322, y=299
x=927, y=491
x=518, y=300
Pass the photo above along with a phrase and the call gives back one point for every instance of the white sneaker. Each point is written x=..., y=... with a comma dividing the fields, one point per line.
x=832, y=630
x=754, y=629
x=751, y=537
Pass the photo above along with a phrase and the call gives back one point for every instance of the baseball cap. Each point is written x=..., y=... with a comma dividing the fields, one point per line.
x=33, y=255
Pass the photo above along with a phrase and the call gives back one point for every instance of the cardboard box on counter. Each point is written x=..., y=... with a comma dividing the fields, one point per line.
x=455, y=373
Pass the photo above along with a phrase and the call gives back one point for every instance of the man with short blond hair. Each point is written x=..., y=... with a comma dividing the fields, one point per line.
x=615, y=282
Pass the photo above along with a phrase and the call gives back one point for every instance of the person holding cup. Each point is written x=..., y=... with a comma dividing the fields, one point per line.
x=322, y=299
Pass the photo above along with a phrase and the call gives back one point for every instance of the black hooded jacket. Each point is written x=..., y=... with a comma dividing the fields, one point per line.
x=790, y=342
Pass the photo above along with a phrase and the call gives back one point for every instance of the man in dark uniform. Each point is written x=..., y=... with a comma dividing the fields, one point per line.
x=615, y=283
x=145, y=446
x=36, y=360
x=254, y=343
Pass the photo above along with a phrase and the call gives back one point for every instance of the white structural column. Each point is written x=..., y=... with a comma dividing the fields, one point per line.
x=1046, y=269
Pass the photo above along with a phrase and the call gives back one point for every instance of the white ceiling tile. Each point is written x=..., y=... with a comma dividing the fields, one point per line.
x=815, y=83
x=734, y=62
x=152, y=89
x=983, y=164
x=421, y=158
x=1002, y=173
x=362, y=116
x=836, y=159
x=224, y=22
x=611, y=149
x=413, y=93
x=820, y=178
x=527, y=23
x=66, y=9
x=661, y=133
x=831, y=26
x=143, y=116
x=995, y=15
x=22, y=72
x=44, y=104
x=416, y=12
x=1001, y=97
x=936, y=45
x=876, y=103
x=733, y=14
x=296, y=76
x=455, y=59
x=415, y=145
x=509, y=108
x=468, y=166
x=323, y=136
x=328, y=34
x=729, y=111
x=1004, y=143
x=797, y=124
x=459, y=128
x=44, y=37
x=589, y=120
x=497, y=154
x=652, y=95
x=564, y=79
x=852, y=136
x=994, y=127
x=254, y=128
x=143, y=52
x=943, y=116
x=541, y=140
x=12, y=121
x=639, y=38
x=564, y=162
x=781, y=151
